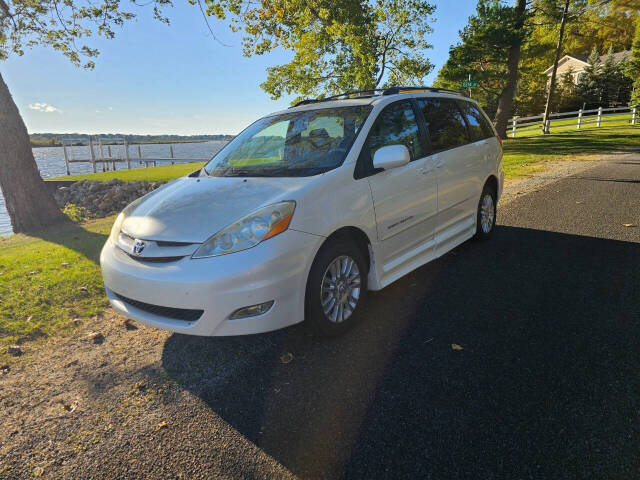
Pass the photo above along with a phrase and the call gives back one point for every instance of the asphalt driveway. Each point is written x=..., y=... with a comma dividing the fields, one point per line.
x=547, y=384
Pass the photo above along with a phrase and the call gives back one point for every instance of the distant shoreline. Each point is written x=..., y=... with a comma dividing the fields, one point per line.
x=49, y=139
x=141, y=142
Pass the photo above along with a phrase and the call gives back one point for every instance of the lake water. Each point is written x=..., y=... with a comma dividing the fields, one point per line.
x=50, y=161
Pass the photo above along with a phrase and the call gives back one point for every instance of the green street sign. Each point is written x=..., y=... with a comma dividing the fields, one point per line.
x=469, y=83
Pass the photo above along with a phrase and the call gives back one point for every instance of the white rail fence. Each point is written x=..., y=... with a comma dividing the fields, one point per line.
x=582, y=117
x=100, y=154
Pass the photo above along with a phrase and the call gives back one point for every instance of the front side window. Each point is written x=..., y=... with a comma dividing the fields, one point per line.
x=396, y=125
x=445, y=123
x=478, y=124
x=291, y=144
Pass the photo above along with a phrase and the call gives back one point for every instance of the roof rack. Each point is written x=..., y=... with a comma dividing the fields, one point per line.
x=354, y=93
x=395, y=90
x=372, y=93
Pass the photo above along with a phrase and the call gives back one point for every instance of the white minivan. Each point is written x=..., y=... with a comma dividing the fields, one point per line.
x=305, y=211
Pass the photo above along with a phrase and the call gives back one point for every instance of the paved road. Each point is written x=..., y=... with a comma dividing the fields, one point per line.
x=547, y=384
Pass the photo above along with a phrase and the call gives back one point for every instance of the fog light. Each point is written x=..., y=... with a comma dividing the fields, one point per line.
x=251, y=311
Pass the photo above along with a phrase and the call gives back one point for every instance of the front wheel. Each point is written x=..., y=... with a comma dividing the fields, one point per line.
x=486, y=214
x=336, y=288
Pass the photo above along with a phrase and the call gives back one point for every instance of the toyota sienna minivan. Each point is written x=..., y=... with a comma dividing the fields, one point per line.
x=305, y=211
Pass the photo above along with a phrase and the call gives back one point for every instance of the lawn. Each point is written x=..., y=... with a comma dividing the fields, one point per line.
x=569, y=125
x=163, y=173
x=49, y=280
x=526, y=155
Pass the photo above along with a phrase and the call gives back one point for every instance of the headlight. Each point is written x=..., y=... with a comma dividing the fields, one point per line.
x=249, y=231
x=117, y=225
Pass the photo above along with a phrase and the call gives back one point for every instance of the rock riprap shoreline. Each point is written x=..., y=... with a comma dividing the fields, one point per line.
x=101, y=199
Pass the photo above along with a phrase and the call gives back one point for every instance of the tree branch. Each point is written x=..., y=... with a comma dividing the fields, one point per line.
x=206, y=21
x=7, y=13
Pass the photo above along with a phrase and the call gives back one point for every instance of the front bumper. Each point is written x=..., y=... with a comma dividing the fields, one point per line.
x=276, y=269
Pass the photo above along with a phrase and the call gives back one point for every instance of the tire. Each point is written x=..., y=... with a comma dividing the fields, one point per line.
x=327, y=321
x=486, y=215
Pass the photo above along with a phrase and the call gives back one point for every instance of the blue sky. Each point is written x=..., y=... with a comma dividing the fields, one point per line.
x=155, y=79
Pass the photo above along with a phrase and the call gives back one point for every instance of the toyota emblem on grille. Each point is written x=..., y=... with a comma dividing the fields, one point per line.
x=138, y=246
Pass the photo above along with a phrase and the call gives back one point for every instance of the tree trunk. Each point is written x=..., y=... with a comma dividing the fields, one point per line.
x=28, y=202
x=552, y=84
x=505, y=100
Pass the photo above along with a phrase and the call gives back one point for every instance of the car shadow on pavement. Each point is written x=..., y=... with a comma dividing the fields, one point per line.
x=516, y=357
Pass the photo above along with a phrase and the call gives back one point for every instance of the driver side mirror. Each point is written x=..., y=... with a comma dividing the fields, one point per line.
x=391, y=156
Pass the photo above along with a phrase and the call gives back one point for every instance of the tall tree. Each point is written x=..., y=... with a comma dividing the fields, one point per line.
x=589, y=84
x=616, y=87
x=490, y=50
x=505, y=101
x=337, y=46
x=57, y=24
x=600, y=23
x=566, y=98
x=552, y=81
x=632, y=68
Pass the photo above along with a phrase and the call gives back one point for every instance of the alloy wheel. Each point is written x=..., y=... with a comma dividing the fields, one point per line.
x=487, y=213
x=340, y=289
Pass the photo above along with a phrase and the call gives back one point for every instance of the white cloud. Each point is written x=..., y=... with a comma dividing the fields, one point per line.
x=110, y=108
x=44, y=107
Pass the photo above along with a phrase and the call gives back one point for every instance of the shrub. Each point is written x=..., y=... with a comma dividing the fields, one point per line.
x=75, y=213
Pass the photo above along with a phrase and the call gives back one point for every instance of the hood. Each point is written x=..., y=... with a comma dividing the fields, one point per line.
x=193, y=209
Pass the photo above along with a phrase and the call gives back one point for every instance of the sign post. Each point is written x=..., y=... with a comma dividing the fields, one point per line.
x=469, y=84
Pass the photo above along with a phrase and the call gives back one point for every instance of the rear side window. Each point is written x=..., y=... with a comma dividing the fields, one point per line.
x=396, y=125
x=478, y=123
x=445, y=123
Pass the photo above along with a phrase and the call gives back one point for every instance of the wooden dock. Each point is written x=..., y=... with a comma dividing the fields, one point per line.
x=98, y=156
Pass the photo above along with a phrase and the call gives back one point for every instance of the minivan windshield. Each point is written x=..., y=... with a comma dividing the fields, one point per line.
x=292, y=144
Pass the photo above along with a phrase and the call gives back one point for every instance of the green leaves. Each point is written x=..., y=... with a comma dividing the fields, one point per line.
x=632, y=68
x=337, y=46
x=61, y=24
x=484, y=45
x=483, y=51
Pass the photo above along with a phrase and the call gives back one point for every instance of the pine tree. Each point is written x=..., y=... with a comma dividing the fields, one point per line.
x=613, y=82
x=590, y=85
x=566, y=98
x=632, y=67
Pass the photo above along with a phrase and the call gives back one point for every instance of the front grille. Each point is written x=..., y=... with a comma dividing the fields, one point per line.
x=155, y=259
x=184, y=314
x=164, y=243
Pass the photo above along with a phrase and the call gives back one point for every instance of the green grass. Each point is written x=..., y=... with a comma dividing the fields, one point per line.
x=162, y=173
x=526, y=155
x=49, y=280
x=569, y=125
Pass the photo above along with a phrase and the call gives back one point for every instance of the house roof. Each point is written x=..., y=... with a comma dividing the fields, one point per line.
x=617, y=58
x=565, y=59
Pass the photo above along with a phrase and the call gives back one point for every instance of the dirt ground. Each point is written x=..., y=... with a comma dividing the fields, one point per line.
x=104, y=406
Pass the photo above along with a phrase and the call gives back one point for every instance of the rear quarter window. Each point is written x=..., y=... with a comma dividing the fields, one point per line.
x=445, y=123
x=478, y=123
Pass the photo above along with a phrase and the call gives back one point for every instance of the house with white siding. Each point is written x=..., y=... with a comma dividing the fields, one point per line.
x=576, y=64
